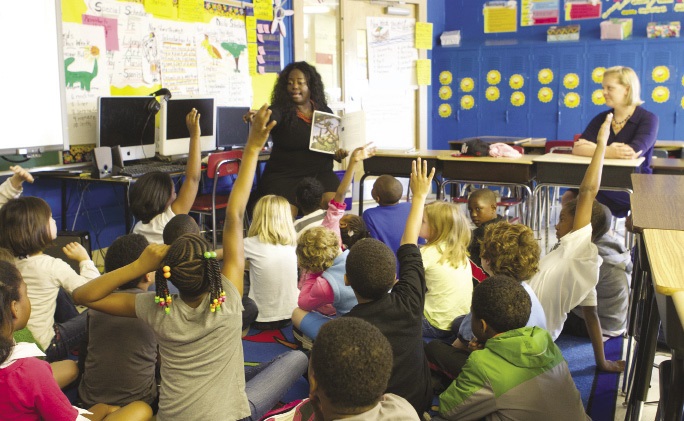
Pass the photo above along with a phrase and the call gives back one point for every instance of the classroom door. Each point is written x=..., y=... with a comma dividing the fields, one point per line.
x=392, y=112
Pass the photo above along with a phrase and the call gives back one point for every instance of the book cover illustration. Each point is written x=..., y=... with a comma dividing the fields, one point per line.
x=330, y=132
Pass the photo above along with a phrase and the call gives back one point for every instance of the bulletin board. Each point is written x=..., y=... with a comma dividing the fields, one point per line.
x=190, y=47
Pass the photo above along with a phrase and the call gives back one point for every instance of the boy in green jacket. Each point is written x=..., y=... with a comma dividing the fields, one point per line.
x=520, y=373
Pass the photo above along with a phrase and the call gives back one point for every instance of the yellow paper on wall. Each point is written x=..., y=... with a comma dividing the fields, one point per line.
x=262, y=86
x=424, y=35
x=263, y=9
x=252, y=56
x=500, y=19
x=424, y=72
x=160, y=8
x=191, y=10
x=250, y=27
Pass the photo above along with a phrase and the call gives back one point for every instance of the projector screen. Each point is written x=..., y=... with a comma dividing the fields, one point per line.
x=33, y=78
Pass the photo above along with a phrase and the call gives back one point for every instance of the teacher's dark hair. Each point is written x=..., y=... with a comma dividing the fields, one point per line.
x=281, y=99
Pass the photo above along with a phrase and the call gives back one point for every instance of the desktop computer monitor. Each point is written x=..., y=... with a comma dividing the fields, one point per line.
x=172, y=135
x=126, y=121
x=231, y=130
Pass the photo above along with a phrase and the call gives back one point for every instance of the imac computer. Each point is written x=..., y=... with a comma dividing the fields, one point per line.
x=172, y=135
x=231, y=130
x=126, y=121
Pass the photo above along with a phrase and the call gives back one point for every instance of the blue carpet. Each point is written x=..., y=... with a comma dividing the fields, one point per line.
x=598, y=390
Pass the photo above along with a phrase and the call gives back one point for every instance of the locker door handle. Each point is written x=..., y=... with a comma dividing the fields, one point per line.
x=559, y=117
x=458, y=115
x=507, y=116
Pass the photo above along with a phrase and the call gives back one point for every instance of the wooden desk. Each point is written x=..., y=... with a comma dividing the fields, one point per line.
x=398, y=164
x=567, y=170
x=525, y=142
x=509, y=172
x=657, y=203
x=670, y=145
x=673, y=166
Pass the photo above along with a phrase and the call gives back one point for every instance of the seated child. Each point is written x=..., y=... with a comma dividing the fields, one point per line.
x=482, y=209
x=121, y=358
x=27, y=388
x=447, y=269
x=612, y=290
x=507, y=249
x=518, y=369
x=352, y=229
x=568, y=274
x=398, y=314
x=198, y=330
x=182, y=224
x=359, y=350
x=386, y=221
x=322, y=261
x=153, y=196
x=270, y=249
x=308, y=194
x=27, y=229
x=11, y=188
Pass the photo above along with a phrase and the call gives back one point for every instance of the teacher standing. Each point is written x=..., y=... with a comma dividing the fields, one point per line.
x=632, y=133
x=298, y=92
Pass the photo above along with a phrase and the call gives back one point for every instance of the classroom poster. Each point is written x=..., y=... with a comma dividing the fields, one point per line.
x=86, y=77
x=222, y=61
x=424, y=35
x=178, y=56
x=389, y=123
x=500, y=16
x=268, y=48
x=391, y=51
x=582, y=9
x=539, y=12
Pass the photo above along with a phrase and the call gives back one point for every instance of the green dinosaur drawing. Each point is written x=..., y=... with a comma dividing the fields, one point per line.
x=235, y=50
x=82, y=78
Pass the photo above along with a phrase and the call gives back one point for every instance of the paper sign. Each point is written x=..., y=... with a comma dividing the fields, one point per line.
x=160, y=8
x=424, y=72
x=111, y=29
x=191, y=10
x=500, y=18
x=263, y=9
x=252, y=54
x=250, y=26
x=424, y=35
x=262, y=86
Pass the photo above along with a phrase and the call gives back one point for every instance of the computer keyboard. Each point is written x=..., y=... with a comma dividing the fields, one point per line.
x=138, y=170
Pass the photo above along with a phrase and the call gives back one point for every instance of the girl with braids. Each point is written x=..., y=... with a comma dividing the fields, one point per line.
x=27, y=389
x=298, y=92
x=199, y=329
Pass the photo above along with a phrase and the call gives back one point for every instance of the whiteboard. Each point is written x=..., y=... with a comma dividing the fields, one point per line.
x=33, y=115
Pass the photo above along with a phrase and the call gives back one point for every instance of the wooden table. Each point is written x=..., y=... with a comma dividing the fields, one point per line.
x=567, y=170
x=657, y=288
x=525, y=142
x=398, y=164
x=508, y=172
x=673, y=166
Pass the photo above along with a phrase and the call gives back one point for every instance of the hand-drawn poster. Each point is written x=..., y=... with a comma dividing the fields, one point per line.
x=391, y=51
x=539, y=12
x=222, y=60
x=86, y=77
x=176, y=46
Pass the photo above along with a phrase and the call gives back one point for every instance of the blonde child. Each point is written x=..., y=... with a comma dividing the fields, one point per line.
x=322, y=261
x=270, y=249
x=153, y=196
x=12, y=187
x=199, y=329
x=28, y=228
x=447, y=270
x=27, y=388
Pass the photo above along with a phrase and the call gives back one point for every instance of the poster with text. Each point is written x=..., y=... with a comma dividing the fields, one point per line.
x=391, y=51
x=178, y=56
x=539, y=12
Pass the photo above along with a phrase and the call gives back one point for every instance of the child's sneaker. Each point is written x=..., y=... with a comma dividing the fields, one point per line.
x=301, y=339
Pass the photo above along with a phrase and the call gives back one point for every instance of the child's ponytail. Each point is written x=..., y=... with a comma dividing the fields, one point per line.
x=193, y=269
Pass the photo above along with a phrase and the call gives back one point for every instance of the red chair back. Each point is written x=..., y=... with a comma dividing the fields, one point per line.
x=226, y=169
x=558, y=146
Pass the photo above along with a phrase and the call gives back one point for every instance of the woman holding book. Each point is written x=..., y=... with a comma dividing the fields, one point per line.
x=298, y=92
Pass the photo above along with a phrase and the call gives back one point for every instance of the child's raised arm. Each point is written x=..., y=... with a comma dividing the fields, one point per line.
x=592, y=178
x=20, y=175
x=98, y=293
x=233, y=245
x=359, y=154
x=421, y=181
x=193, y=169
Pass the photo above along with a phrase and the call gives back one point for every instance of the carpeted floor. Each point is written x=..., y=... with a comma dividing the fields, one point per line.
x=598, y=390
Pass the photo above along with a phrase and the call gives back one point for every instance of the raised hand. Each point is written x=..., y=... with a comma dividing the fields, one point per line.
x=151, y=258
x=75, y=251
x=261, y=127
x=421, y=180
x=363, y=152
x=192, y=122
x=20, y=175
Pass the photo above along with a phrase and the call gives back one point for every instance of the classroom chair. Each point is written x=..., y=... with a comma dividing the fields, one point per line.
x=220, y=164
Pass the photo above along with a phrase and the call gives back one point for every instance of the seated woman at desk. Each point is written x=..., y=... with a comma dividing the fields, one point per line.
x=298, y=92
x=633, y=132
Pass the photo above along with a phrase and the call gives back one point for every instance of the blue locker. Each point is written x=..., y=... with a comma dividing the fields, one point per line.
x=659, y=85
x=572, y=84
x=544, y=92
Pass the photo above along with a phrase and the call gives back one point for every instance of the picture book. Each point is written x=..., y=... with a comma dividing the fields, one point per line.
x=330, y=132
